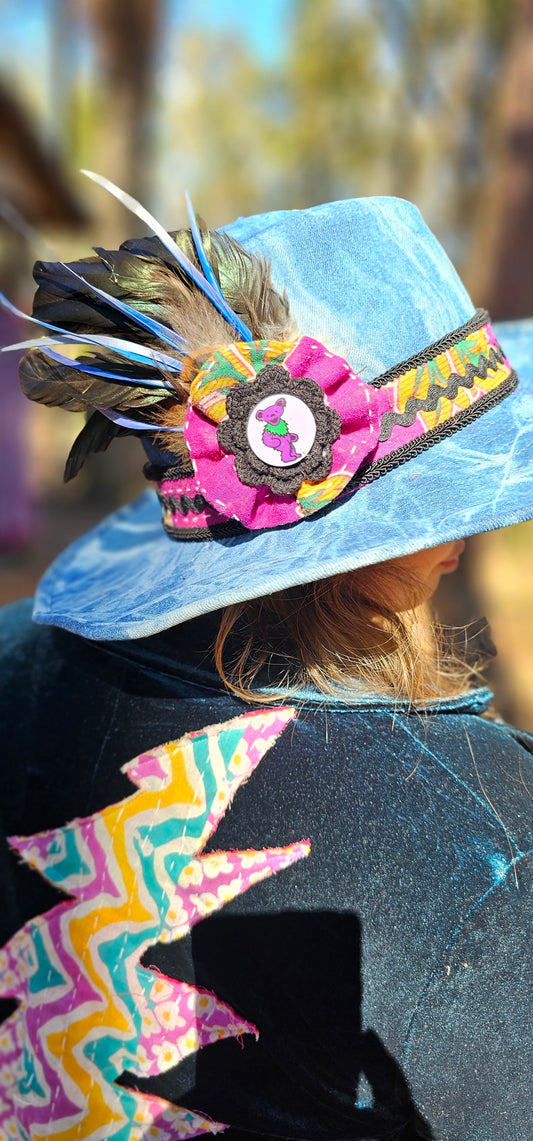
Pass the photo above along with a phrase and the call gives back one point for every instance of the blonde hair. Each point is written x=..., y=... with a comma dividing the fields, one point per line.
x=336, y=635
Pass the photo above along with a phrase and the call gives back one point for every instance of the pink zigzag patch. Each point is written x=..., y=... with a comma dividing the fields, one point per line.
x=87, y=1009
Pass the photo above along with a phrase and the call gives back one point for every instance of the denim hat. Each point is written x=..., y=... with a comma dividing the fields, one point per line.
x=411, y=432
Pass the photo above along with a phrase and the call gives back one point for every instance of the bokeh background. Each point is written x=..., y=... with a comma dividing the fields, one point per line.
x=254, y=106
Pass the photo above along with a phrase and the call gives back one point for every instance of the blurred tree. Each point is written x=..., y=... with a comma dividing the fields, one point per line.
x=110, y=117
x=219, y=127
x=397, y=95
x=369, y=97
x=500, y=272
x=127, y=35
x=334, y=102
x=105, y=121
x=447, y=58
x=31, y=173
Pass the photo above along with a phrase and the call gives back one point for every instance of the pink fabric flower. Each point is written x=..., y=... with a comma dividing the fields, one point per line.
x=310, y=438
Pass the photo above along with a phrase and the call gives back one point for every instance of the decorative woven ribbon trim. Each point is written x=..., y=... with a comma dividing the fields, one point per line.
x=186, y=511
x=279, y=431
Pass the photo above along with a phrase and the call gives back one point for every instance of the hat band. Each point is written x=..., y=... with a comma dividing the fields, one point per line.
x=419, y=402
x=186, y=512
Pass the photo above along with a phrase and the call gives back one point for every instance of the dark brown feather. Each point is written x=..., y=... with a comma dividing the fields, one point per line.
x=95, y=436
x=143, y=275
x=49, y=382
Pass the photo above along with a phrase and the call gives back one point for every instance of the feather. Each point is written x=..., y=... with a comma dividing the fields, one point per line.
x=95, y=436
x=128, y=349
x=55, y=384
x=89, y=369
x=149, y=357
x=199, y=245
x=123, y=308
x=165, y=334
x=138, y=425
x=6, y=304
x=214, y=294
x=246, y=278
x=145, y=276
x=246, y=281
x=85, y=294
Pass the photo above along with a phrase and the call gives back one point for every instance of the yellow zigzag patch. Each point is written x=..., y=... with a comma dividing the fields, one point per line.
x=87, y=1009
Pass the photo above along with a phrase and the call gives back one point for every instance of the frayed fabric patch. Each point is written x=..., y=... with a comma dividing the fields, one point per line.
x=87, y=1010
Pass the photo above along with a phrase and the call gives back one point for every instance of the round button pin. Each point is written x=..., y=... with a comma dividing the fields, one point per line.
x=281, y=430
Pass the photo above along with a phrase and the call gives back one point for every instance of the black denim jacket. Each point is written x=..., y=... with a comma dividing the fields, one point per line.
x=389, y=973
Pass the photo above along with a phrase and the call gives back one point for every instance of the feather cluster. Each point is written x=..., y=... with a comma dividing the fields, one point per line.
x=148, y=325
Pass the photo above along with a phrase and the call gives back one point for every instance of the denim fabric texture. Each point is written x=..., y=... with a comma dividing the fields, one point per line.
x=365, y=276
x=389, y=973
x=368, y=278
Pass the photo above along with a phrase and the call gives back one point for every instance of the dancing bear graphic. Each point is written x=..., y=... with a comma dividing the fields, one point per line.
x=276, y=431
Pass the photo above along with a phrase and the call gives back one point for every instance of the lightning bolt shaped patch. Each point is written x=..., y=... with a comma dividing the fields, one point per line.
x=87, y=1010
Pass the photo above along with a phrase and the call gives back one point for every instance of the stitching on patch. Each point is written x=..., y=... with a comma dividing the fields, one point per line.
x=88, y=1010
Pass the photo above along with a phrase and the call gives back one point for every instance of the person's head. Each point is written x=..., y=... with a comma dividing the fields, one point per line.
x=370, y=626
x=319, y=399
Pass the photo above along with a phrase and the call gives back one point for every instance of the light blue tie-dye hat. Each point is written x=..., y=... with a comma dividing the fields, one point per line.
x=389, y=420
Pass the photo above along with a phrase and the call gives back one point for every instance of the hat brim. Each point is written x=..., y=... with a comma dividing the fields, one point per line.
x=128, y=579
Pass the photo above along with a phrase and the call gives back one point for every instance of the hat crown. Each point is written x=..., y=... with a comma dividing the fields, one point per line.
x=365, y=276
x=382, y=313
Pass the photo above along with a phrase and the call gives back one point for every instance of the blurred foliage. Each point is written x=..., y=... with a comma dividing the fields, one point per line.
x=361, y=97
x=367, y=98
